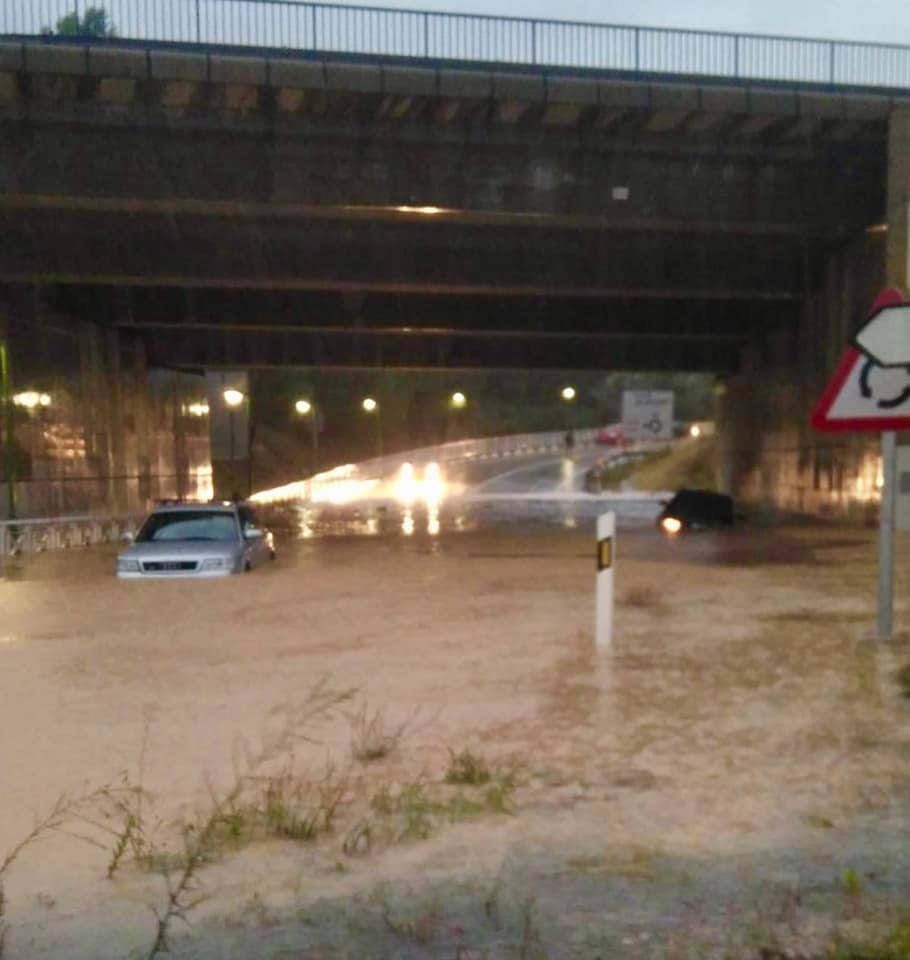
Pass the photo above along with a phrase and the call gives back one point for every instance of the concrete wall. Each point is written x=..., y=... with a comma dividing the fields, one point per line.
x=115, y=435
x=769, y=455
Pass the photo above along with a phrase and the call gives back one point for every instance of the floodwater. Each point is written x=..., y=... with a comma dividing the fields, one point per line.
x=729, y=779
x=522, y=494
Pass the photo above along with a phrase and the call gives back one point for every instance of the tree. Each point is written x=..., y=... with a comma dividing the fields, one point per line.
x=93, y=23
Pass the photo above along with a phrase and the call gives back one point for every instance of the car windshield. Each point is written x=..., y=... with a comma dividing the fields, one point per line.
x=169, y=526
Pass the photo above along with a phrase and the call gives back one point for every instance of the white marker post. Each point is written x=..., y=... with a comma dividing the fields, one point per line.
x=886, y=537
x=606, y=562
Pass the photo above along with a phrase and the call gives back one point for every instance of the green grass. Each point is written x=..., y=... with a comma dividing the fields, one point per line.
x=893, y=946
x=903, y=678
x=612, y=478
x=467, y=768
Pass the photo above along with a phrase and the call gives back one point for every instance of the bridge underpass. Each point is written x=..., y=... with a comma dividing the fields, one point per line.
x=206, y=211
x=719, y=783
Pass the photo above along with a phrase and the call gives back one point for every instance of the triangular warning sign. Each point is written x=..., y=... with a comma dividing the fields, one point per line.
x=863, y=395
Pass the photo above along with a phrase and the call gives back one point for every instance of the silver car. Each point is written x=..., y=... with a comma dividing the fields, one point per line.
x=196, y=540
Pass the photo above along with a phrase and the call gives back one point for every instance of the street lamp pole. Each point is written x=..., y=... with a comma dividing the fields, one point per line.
x=9, y=465
x=568, y=395
x=372, y=406
x=234, y=398
x=457, y=401
x=307, y=409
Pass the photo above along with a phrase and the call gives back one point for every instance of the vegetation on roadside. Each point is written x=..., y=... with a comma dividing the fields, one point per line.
x=269, y=798
x=614, y=476
x=687, y=463
x=903, y=679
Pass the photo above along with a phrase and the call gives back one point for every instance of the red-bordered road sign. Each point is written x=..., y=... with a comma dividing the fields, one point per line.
x=863, y=394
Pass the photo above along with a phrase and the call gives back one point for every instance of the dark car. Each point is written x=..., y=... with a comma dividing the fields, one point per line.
x=694, y=510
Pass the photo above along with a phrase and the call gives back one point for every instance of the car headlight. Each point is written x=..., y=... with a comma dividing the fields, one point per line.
x=671, y=525
x=127, y=565
x=214, y=563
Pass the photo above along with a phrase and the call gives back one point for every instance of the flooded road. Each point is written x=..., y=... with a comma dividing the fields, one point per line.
x=731, y=777
x=518, y=494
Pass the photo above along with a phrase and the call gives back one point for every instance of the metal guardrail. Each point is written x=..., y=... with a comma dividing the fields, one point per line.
x=365, y=475
x=484, y=448
x=19, y=537
x=290, y=25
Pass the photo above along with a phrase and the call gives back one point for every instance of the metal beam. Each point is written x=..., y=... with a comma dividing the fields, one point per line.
x=528, y=219
x=39, y=278
x=446, y=332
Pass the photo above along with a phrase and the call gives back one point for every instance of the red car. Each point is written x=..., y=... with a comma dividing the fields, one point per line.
x=610, y=437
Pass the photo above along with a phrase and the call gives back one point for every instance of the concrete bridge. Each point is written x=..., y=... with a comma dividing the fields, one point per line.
x=730, y=204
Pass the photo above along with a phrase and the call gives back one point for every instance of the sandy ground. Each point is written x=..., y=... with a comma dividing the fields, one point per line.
x=732, y=774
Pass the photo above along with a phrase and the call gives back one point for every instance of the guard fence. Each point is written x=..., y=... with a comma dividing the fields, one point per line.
x=20, y=537
x=291, y=26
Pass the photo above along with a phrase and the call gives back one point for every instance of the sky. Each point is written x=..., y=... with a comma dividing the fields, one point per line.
x=885, y=21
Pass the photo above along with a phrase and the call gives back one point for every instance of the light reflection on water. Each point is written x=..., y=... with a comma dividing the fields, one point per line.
x=305, y=520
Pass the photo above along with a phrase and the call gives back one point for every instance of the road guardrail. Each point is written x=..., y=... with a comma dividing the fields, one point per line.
x=36, y=535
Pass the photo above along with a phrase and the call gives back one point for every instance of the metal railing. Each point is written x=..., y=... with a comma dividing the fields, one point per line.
x=290, y=25
x=369, y=475
x=20, y=537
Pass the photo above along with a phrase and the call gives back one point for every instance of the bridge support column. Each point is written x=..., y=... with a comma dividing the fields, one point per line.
x=230, y=433
x=898, y=196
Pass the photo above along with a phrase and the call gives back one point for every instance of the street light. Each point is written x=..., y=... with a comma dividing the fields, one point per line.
x=370, y=405
x=233, y=398
x=306, y=409
x=458, y=400
x=568, y=394
x=31, y=399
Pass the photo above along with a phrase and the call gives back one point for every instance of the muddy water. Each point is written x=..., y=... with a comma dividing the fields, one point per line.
x=704, y=786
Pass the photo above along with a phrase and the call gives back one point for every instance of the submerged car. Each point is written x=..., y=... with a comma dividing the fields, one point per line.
x=196, y=540
x=694, y=510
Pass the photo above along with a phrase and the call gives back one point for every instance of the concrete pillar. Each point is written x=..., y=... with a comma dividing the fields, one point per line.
x=143, y=428
x=116, y=426
x=898, y=196
x=230, y=433
x=181, y=462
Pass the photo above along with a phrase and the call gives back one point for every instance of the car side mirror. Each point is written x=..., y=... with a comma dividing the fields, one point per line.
x=253, y=533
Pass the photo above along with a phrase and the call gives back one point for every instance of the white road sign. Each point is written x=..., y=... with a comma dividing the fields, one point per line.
x=886, y=336
x=647, y=414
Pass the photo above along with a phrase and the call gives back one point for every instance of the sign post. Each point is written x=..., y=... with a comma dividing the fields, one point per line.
x=886, y=536
x=606, y=560
x=870, y=390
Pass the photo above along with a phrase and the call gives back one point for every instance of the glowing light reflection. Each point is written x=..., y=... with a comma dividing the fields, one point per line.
x=433, y=484
x=406, y=487
x=671, y=525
